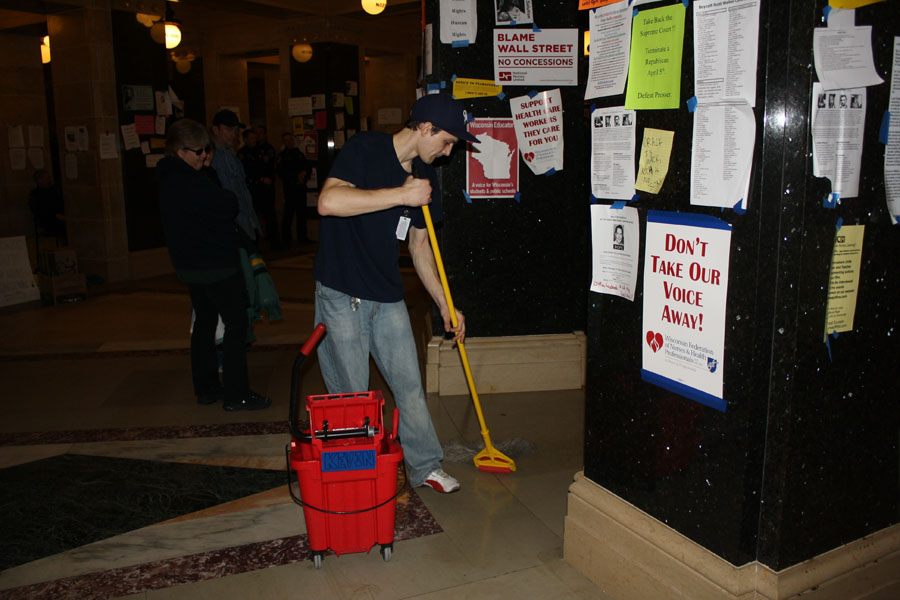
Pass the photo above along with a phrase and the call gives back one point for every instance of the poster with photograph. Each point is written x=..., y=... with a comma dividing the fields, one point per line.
x=513, y=12
x=686, y=258
x=492, y=166
x=615, y=245
x=612, y=153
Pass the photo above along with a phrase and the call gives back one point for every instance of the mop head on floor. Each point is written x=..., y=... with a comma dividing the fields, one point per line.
x=456, y=451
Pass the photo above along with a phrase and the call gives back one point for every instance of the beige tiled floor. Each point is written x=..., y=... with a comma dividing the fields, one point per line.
x=502, y=534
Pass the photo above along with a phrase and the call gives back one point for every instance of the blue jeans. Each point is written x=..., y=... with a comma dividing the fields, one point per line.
x=356, y=328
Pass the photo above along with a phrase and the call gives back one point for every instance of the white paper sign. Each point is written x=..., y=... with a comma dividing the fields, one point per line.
x=17, y=159
x=612, y=153
x=163, y=103
x=610, y=50
x=543, y=57
x=686, y=259
x=892, y=151
x=300, y=106
x=109, y=146
x=615, y=245
x=725, y=50
x=15, y=136
x=843, y=57
x=16, y=280
x=459, y=21
x=539, y=130
x=838, y=118
x=130, y=136
x=722, y=157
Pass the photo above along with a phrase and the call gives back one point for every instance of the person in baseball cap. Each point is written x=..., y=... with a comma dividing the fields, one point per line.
x=227, y=118
x=372, y=198
x=445, y=113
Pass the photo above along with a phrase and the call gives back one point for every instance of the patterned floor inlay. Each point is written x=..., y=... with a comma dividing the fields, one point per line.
x=52, y=505
x=413, y=520
x=131, y=434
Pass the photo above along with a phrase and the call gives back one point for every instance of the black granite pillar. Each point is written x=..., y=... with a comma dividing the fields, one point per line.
x=516, y=267
x=805, y=457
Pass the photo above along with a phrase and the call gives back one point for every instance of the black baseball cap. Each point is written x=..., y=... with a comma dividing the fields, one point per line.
x=227, y=118
x=442, y=111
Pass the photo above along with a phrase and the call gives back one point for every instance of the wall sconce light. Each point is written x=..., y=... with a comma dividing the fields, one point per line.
x=167, y=31
x=173, y=34
x=45, y=49
x=374, y=7
x=302, y=52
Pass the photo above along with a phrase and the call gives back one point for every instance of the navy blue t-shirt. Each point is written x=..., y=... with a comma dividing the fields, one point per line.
x=359, y=255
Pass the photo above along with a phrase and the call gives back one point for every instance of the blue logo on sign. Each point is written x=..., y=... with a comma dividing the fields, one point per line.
x=348, y=460
x=711, y=364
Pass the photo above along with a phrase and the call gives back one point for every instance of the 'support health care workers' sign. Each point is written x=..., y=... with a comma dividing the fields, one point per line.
x=685, y=293
x=526, y=57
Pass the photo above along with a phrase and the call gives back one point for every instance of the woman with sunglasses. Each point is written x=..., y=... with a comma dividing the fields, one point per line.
x=198, y=221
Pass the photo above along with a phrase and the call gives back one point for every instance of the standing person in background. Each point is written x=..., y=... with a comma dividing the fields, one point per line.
x=225, y=126
x=260, y=172
x=202, y=237
x=46, y=205
x=369, y=201
x=293, y=168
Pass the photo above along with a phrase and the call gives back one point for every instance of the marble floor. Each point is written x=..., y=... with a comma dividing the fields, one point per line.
x=115, y=483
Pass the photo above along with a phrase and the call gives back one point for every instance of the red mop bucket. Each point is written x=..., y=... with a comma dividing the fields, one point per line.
x=346, y=469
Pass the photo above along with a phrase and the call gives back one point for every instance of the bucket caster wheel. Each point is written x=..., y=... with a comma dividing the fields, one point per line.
x=317, y=559
x=386, y=551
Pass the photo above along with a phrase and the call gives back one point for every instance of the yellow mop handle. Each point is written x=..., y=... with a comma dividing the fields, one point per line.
x=462, y=347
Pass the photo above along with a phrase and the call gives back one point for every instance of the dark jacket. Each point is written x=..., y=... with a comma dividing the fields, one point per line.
x=198, y=218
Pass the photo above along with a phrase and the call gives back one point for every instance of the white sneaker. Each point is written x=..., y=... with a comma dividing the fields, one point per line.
x=441, y=482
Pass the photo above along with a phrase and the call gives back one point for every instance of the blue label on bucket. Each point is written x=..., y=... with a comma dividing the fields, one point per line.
x=348, y=460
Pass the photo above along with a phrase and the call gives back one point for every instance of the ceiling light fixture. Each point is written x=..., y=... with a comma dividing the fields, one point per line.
x=374, y=7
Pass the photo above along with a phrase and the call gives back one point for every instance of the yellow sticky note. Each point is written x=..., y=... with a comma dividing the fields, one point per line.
x=348, y=105
x=654, y=70
x=843, y=280
x=297, y=125
x=157, y=142
x=475, y=88
x=656, y=150
x=845, y=4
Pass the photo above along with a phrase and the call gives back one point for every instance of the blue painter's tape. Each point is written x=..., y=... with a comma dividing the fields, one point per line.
x=517, y=197
x=840, y=223
x=885, y=126
x=683, y=390
x=828, y=347
x=535, y=28
x=443, y=84
x=453, y=78
x=688, y=219
x=826, y=12
x=433, y=87
x=634, y=14
x=501, y=95
x=897, y=219
x=830, y=201
x=532, y=94
x=468, y=197
x=685, y=2
x=460, y=44
x=618, y=205
x=595, y=199
x=835, y=334
x=550, y=171
x=635, y=198
x=593, y=108
x=692, y=104
x=738, y=207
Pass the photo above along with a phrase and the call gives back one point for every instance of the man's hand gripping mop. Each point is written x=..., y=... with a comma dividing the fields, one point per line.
x=490, y=459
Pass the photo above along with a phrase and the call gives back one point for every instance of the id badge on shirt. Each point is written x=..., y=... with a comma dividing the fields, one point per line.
x=403, y=226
